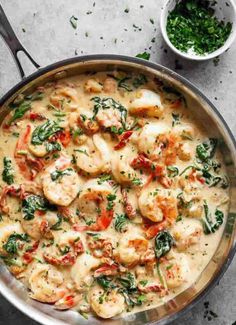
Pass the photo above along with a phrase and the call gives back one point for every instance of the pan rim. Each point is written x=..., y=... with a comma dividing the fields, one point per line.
x=43, y=318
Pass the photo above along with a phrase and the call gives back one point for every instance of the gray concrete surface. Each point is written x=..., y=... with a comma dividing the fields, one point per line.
x=105, y=27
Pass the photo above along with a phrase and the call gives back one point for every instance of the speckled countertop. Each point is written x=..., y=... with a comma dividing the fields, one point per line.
x=108, y=26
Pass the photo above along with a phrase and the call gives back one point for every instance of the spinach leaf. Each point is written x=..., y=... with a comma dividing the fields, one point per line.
x=122, y=84
x=20, y=111
x=121, y=222
x=53, y=146
x=11, y=245
x=163, y=243
x=209, y=226
x=134, y=299
x=44, y=131
x=107, y=103
x=140, y=81
x=206, y=150
x=57, y=225
x=33, y=203
x=128, y=282
x=58, y=174
x=24, y=105
x=172, y=171
x=105, y=282
x=8, y=172
x=144, y=56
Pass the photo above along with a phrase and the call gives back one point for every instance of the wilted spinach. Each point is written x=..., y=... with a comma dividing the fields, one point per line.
x=23, y=105
x=44, y=131
x=8, y=172
x=210, y=226
x=163, y=243
x=57, y=225
x=11, y=245
x=107, y=103
x=206, y=150
x=33, y=203
x=53, y=146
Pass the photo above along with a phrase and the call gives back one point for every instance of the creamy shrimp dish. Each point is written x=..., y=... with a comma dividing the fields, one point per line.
x=113, y=197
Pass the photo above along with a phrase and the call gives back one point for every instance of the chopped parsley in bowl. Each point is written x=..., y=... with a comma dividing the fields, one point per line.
x=198, y=29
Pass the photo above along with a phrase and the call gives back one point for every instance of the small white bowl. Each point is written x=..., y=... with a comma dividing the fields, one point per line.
x=224, y=10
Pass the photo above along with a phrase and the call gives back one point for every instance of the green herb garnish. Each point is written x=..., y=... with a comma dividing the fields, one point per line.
x=44, y=131
x=8, y=172
x=163, y=243
x=11, y=245
x=144, y=56
x=193, y=26
x=33, y=203
x=58, y=174
x=121, y=222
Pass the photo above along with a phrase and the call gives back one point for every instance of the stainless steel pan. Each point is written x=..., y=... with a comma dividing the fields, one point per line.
x=201, y=107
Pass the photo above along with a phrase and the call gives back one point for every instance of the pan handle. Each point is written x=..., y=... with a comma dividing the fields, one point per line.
x=13, y=43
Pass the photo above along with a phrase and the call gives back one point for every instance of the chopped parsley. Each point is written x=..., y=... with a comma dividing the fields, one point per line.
x=193, y=26
x=144, y=56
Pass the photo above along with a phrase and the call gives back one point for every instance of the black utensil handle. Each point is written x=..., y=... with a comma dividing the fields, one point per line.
x=13, y=43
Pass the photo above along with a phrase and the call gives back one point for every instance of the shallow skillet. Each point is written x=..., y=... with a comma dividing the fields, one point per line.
x=201, y=107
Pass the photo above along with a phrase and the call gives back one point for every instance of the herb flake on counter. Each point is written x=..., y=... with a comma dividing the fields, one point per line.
x=73, y=21
x=126, y=10
x=144, y=56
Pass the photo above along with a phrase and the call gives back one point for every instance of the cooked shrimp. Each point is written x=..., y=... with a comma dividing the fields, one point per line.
x=93, y=157
x=93, y=203
x=68, y=301
x=185, y=151
x=186, y=132
x=64, y=95
x=68, y=246
x=46, y=283
x=147, y=103
x=110, y=85
x=175, y=270
x=108, y=118
x=92, y=86
x=85, y=263
x=130, y=249
x=187, y=234
x=156, y=205
x=148, y=140
x=38, y=150
x=40, y=225
x=121, y=169
x=106, y=304
x=149, y=206
x=60, y=182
